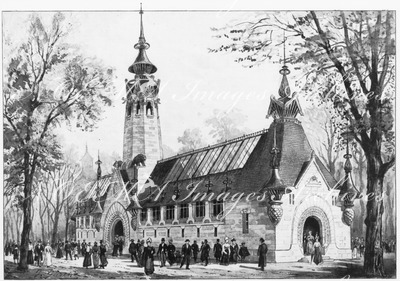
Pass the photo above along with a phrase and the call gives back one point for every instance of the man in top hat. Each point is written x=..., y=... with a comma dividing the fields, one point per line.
x=186, y=253
x=39, y=249
x=262, y=254
x=162, y=252
x=217, y=251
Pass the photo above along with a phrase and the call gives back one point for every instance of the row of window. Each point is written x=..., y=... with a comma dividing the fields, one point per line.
x=85, y=221
x=245, y=228
x=183, y=211
x=81, y=234
x=149, y=109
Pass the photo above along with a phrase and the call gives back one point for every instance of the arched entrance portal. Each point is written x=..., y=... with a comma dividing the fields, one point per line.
x=118, y=229
x=312, y=226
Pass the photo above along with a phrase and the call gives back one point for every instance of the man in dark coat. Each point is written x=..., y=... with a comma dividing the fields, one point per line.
x=195, y=249
x=262, y=254
x=217, y=251
x=39, y=249
x=186, y=253
x=162, y=252
x=83, y=247
x=132, y=249
x=67, y=249
x=205, y=252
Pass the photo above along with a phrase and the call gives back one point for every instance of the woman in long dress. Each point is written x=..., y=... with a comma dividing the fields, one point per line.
x=30, y=253
x=226, y=252
x=103, y=257
x=87, y=261
x=310, y=243
x=317, y=252
x=59, y=253
x=96, y=255
x=48, y=251
x=148, y=258
x=235, y=251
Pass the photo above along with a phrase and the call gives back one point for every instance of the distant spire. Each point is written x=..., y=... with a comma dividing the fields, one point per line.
x=284, y=89
x=98, y=163
x=142, y=63
x=86, y=151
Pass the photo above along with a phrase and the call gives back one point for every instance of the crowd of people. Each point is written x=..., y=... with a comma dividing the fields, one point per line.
x=143, y=253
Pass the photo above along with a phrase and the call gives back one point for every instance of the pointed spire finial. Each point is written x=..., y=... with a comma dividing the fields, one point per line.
x=142, y=44
x=284, y=89
x=142, y=63
x=86, y=148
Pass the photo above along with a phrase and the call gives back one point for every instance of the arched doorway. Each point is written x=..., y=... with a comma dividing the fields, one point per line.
x=118, y=229
x=311, y=226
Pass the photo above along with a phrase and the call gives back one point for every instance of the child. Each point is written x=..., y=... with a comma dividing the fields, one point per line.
x=16, y=253
x=243, y=252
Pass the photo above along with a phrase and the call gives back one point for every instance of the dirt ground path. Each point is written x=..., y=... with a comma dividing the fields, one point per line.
x=123, y=268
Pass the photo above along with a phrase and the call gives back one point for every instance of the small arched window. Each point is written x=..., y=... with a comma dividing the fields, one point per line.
x=149, y=109
x=138, y=108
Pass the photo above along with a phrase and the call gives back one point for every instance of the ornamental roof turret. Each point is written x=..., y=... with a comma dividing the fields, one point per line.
x=287, y=105
x=142, y=64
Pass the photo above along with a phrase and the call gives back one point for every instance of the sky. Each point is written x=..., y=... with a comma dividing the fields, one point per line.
x=194, y=82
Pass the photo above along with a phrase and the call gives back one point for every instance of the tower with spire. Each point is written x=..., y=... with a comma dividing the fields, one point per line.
x=87, y=164
x=142, y=131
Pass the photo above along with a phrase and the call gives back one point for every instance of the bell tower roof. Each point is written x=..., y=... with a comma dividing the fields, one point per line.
x=142, y=64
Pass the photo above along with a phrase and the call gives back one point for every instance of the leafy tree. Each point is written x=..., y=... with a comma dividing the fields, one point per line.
x=351, y=52
x=57, y=188
x=191, y=139
x=47, y=83
x=226, y=125
x=324, y=130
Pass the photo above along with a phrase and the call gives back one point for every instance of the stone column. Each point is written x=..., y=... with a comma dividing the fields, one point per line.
x=190, y=206
x=149, y=218
x=175, y=215
x=162, y=214
x=207, y=214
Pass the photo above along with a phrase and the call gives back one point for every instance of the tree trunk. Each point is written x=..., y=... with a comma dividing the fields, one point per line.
x=66, y=211
x=362, y=205
x=26, y=207
x=373, y=261
x=55, y=227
